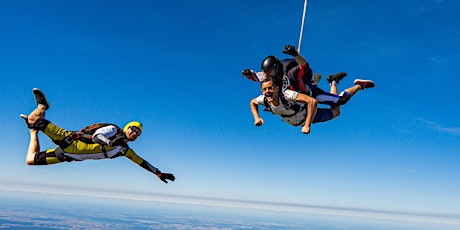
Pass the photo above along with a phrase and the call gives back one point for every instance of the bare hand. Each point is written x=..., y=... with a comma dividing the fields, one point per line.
x=306, y=129
x=258, y=121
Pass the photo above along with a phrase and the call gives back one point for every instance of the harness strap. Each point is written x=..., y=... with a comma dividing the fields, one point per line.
x=124, y=149
x=104, y=152
x=296, y=108
x=122, y=152
x=60, y=154
x=267, y=105
x=67, y=141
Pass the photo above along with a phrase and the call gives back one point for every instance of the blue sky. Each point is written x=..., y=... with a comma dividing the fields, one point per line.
x=175, y=66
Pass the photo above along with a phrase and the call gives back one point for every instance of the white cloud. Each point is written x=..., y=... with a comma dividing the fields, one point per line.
x=436, y=127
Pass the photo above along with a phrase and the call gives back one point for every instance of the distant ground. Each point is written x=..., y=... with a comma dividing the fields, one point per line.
x=34, y=210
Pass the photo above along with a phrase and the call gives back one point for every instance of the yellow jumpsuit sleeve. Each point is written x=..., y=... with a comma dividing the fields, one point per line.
x=130, y=154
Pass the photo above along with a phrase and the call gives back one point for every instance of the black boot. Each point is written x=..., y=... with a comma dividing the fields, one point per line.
x=40, y=98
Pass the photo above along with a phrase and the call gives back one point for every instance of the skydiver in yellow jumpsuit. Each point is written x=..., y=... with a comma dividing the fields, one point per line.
x=108, y=141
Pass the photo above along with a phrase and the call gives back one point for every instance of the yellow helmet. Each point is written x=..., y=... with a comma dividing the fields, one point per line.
x=133, y=123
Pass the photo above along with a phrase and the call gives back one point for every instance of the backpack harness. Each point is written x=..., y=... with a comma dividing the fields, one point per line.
x=296, y=107
x=85, y=135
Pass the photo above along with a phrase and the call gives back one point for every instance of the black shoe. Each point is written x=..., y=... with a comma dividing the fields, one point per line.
x=40, y=98
x=316, y=78
x=26, y=120
x=336, y=77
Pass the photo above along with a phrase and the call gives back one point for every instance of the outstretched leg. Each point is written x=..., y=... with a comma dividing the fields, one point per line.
x=360, y=85
x=334, y=108
x=333, y=81
x=333, y=88
x=35, y=157
x=35, y=122
x=34, y=147
x=350, y=92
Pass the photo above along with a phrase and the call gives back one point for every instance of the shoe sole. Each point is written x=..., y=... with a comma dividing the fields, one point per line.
x=26, y=120
x=316, y=78
x=39, y=94
x=365, y=82
x=337, y=79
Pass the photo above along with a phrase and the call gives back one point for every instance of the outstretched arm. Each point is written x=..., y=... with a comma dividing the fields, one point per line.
x=288, y=49
x=255, y=112
x=253, y=76
x=130, y=154
x=312, y=105
x=301, y=61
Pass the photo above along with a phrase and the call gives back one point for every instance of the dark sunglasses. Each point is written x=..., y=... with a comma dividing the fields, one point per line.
x=136, y=130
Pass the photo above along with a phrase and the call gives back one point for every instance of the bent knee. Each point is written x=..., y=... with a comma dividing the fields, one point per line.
x=30, y=159
x=337, y=114
x=344, y=98
x=335, y=111
x=30, y=162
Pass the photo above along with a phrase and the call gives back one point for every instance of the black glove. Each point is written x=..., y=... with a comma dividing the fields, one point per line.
x=246, y=72
x=166, y=176
x=121, y=141
x=288, y=49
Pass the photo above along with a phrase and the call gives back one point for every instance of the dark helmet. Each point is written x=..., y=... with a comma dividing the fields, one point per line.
x=272, y=63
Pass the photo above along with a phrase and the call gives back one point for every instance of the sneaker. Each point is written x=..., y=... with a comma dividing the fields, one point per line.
x=316, y=78
x=336, y=77
x=365, y=84
x=40, y=98
x=26, y=120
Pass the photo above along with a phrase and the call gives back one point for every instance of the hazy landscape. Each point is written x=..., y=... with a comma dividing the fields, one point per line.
x=66, y=210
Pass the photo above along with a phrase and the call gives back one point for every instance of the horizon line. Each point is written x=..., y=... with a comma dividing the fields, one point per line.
x=451, y=219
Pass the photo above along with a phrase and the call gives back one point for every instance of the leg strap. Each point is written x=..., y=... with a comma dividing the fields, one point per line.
x=40, y=124
x=60, y=154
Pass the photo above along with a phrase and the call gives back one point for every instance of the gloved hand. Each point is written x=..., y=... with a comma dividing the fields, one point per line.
x=118, y=142
x=288, y=49
x=166, y=176
x=246, y=72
